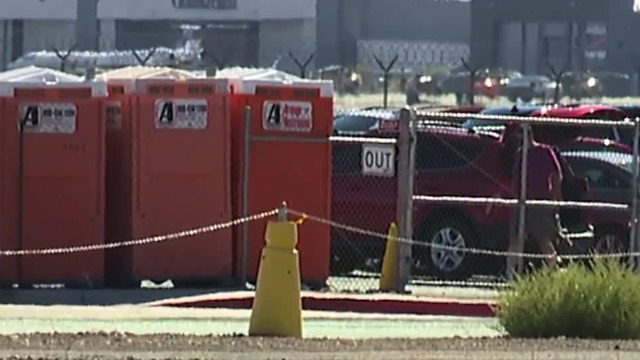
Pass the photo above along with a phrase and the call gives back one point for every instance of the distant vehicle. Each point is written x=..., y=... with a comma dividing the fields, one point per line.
x=613, y=84
x=529, y=87
x=610, y=177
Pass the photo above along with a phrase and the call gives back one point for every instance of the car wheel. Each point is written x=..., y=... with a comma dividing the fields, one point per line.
x=446, y=257
x=610, y=241
x=344, y=258
x=512, y=98
x=526, y=98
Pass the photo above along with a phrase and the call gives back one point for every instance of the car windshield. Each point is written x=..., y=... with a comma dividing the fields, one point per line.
x=621, y=160
x=354, y=123
x=475, y=122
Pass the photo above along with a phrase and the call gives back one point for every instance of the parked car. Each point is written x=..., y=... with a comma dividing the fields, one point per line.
x=529, y=87
x=610, y=177
x=607, y=142
x=450, y=161
x=618, y=134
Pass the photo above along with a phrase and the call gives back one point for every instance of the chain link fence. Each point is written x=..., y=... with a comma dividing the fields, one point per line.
x=468, y=215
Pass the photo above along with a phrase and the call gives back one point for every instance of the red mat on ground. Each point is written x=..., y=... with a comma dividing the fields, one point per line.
x=378, y=303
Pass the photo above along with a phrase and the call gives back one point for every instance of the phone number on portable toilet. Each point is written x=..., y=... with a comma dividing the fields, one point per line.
x=287, y=116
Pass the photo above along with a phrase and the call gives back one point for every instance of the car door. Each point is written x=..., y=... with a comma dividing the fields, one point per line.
x=607, y=184
x=359, y=200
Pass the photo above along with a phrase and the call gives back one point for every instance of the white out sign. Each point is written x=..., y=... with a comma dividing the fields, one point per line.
x=378, y=159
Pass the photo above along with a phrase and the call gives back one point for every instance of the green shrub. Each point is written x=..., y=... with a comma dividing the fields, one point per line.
x=597, y=301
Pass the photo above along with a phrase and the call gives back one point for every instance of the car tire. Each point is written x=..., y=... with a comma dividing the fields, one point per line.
x=610, y=240
x=446, y=264
x=341, y=258
x=512, y=98
x=526, y=98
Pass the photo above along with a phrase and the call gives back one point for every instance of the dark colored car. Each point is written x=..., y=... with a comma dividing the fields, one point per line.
x=610, y=177
x=450, y=161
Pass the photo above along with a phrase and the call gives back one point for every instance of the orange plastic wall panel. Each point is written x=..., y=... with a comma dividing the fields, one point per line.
x=182, y=182
x=119, y=185
x=287, y=165
x=63, y=184
x=8, y=197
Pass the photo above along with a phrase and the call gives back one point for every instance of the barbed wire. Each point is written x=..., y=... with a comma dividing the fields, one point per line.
x=627, y=122
x=514, y=202
x=474, y=251
x=143, y=241
x=364, y=140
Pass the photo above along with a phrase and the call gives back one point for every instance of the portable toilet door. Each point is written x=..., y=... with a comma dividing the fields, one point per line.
x=54, y=179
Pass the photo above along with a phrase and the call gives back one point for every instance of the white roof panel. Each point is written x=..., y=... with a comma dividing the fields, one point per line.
x=34, y=74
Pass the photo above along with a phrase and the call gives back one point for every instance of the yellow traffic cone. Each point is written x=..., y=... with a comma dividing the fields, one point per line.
x=277, y=305
x=389, y=276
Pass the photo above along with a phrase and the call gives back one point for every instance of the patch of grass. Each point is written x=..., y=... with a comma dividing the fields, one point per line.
x=600, y=300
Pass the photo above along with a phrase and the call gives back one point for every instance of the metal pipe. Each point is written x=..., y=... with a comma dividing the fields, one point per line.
x=20, y=220
x=523, y=194
x=245, y=193
x=633, y=233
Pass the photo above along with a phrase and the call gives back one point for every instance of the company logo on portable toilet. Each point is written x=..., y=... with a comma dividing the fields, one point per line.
x=181, y=114
x=287, y=116
x=48, y=118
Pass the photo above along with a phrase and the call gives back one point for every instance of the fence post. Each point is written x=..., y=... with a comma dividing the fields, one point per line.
x=142, y=61
x=220, y=63
x=557, y=77
x=473, y=73
x=302, y=66
x=64, y=57
x=633, y=240
x=245, y=195
x=406, y=165
x=522, y=206
x=385, y=69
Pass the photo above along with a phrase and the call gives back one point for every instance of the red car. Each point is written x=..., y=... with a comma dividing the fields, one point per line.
x=614, y=135
x=450, y=161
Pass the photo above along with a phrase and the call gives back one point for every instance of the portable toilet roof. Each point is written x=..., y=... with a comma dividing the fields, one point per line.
x=245, y=79
x=248, y=73
x=34, y=74
x=146, y=72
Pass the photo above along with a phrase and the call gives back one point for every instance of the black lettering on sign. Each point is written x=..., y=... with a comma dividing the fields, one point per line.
x=166, y=113
x=273, y=118
x=31, y=118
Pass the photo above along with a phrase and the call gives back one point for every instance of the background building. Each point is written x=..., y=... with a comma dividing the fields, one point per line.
x=581, y=35
x=236, y=32
x=421, y=32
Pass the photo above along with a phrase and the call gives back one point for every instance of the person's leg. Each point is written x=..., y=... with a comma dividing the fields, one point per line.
x=513, y=248
x=546, y=231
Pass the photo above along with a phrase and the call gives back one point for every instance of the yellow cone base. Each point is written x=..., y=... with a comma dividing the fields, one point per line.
x=277, y=305
x=389, y=276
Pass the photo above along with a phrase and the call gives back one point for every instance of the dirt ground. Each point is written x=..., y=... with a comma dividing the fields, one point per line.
x=131, y=347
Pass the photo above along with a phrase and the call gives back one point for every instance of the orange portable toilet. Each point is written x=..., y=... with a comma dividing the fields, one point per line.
x=169, y=172
x=289, y=161
x=52, y=176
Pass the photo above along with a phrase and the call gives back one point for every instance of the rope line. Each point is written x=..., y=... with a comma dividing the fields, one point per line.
x=143, y=241
x=474, y=251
